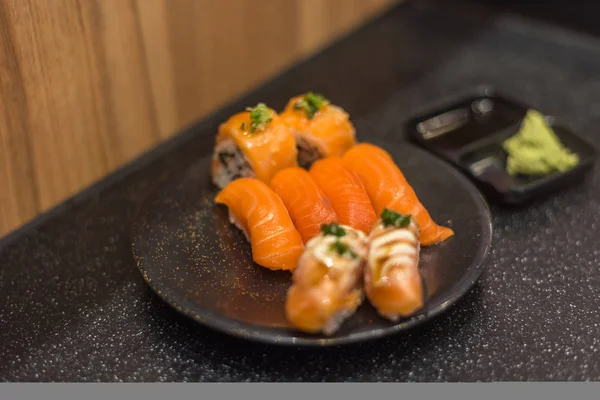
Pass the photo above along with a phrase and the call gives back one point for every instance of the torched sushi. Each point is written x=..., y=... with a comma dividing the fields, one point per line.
x=327, y=284
x=393, y=281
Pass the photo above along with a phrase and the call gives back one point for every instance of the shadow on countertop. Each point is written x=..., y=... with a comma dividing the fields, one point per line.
x=575, y=15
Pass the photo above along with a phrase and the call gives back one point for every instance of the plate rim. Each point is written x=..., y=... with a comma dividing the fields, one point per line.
x=455, y=292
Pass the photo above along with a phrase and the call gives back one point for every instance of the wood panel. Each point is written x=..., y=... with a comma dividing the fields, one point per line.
x=87, y=85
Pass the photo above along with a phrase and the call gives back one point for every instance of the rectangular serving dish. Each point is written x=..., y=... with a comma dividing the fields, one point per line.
x=469, y=133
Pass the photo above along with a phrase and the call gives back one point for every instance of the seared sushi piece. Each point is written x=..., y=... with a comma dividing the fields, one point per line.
x=346, y=193
x=393, y=282
x=261, y=215
x=307, y=204
x=321, y=129
x=388, y=188
x=327, y=284
x=252, y=144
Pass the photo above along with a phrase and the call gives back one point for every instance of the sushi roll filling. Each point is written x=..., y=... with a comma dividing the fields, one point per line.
x=307, y=153
x=232, y=164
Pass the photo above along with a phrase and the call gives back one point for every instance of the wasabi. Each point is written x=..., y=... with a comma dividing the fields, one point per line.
x=536, y=150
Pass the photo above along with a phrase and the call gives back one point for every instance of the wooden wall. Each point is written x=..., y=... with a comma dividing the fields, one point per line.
x=86, y=85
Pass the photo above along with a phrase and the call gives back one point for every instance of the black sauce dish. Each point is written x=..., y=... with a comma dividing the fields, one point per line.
x=469, y=132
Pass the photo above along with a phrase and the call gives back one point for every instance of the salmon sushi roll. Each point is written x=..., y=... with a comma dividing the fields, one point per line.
x=327, y=285
x=346, y=193
x=261, y=215
x=252, y=144
x=320, y=128
x=307, y=204
x=388, y=188
x=393, y=281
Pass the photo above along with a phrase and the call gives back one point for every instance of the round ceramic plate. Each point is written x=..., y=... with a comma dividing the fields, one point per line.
x=199, y=263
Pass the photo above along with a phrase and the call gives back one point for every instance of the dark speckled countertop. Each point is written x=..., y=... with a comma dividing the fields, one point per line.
x=73, y=306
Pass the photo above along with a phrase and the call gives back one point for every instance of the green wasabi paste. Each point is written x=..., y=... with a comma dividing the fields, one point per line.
x=536, y=150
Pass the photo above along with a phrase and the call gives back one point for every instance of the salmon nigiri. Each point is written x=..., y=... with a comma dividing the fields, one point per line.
x=327, y=285
x=346, y=192
x=262, y=216
x=307, y=204
x=252, y=144
x=321, y=129
x=387, y=188
x=392, y=278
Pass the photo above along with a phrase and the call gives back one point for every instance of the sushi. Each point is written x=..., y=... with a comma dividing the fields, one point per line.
x=320, y=128
x=393, y=283
x=261, y=215
x=307, y=204
x=346, y=193
x=387, y=188
x=327, y=285
x=252, y=144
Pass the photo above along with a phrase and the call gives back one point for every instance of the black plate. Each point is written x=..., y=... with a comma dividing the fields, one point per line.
x=469, y=133
x=201, y=265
